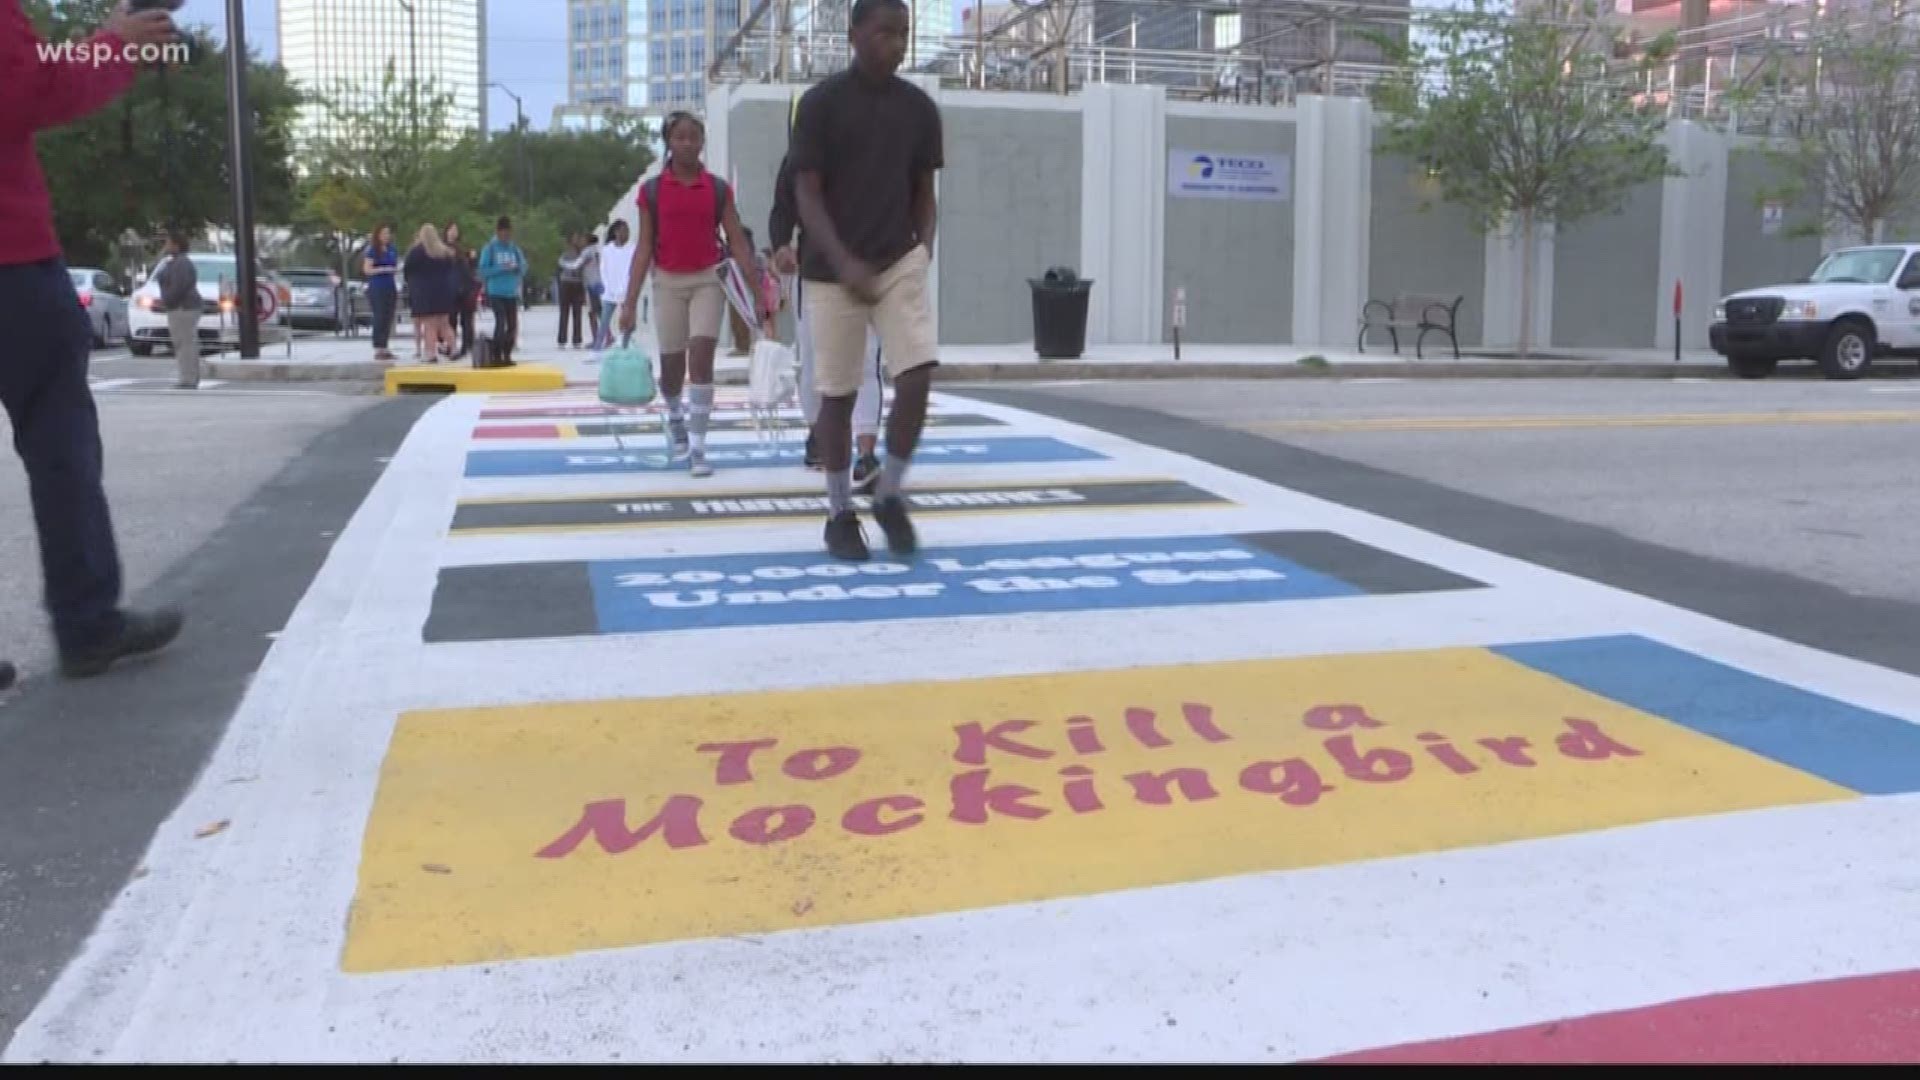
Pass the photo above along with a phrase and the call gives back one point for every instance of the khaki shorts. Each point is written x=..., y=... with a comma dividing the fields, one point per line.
x=686, y=306
x=903, y=318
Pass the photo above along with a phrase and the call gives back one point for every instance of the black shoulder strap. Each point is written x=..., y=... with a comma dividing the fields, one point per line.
x=720, y=195
x=650, y=194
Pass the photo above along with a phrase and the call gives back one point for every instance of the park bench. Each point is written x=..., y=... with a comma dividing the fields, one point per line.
x=1424, y=312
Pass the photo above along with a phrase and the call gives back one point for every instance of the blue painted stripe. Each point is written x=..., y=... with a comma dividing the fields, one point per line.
x=1021, y=449
x=1869, y=752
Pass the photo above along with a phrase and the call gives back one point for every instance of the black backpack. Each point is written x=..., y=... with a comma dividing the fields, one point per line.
x=651, y=193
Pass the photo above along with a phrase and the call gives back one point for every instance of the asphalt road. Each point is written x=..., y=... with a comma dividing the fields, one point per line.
x=178, y=464
x=1809, y=478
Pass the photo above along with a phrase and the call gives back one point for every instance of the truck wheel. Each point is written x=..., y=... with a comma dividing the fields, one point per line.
x=1848, y=351
x=140, y=348
x=1752, y=367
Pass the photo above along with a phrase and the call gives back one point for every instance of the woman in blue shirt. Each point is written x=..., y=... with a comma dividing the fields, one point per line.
x=379, y=266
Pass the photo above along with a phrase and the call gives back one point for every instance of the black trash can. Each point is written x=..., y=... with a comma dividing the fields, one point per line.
x=1060, y=314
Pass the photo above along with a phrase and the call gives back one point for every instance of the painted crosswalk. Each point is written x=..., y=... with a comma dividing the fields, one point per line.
x=1138, y=758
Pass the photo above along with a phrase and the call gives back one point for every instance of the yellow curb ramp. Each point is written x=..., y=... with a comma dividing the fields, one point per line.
x=468, y=380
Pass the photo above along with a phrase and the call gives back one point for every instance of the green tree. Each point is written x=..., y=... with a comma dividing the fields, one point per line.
x=1855, y=149
x=159, y=156
x=575, y=175
x=374, y=160
x=1525, y=120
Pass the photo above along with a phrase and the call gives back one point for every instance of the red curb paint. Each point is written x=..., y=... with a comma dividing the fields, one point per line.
x=1867, y=1019
x=517, y=431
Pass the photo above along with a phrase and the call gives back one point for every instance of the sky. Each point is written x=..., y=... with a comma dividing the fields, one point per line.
x=526, y=49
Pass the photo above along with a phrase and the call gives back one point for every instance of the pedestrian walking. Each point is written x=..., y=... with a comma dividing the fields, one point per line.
x=571, y=290
x=466, y=288
x=865, y=146
x=616, y=262
x=592, y=276
x=179, y=282
x=45, y=341
x=379, y=265
x=683, y=213
x=869, y=408
x=503, y=272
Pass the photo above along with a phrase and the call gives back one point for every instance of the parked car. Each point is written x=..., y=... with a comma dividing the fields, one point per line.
x=321, y=301
x=1860, y=305
x=219, y=312
x=105, y=302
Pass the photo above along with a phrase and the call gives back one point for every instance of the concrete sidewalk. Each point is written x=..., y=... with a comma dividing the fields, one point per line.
x=335, y=358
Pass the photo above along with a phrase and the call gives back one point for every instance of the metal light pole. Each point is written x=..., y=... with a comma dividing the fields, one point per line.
x=413, y=67
x=519, y=143
x=240, y=126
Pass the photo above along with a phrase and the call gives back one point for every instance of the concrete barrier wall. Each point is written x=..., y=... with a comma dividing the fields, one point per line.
x=1009, y=209
x=1421, y=245
x=1751, y=257
x=1606, y=277
x=1039, y=180
x=1235, y=259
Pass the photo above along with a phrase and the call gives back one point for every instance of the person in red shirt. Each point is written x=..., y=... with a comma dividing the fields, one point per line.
x=45, y=341
x=680, y=241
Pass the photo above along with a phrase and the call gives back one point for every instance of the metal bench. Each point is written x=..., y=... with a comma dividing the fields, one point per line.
x=1424, y=312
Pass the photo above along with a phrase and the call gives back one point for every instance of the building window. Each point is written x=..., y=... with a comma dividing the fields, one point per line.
x=1226, y=31
x=699, y=54
x=597, y=25
x=658, y=16
x=697, y=13
x=614, y=63
x=679, y=57
x=579, y=23
x=580, y=62
x=679, y=14
x=657, y=52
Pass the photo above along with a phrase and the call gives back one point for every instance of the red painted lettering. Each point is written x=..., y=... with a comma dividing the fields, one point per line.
x=1296, y=785
x=1155, y=789
x=975, y=741
x=1140, y=722
x=1587, y=742
x=1338, y=718
x=1200, y=719
x=1081, y=797
x=1445, y=754
x=974, y=802
x=863, y=818
x=821, y=764
x=1511, y=750
x=606, y=823
x=735, y=759
x=1380, y=766
x=1081, y=735
x=757, y=826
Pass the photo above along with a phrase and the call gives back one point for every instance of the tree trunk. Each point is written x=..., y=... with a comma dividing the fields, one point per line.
x=1875, y=231
x=1526, y=284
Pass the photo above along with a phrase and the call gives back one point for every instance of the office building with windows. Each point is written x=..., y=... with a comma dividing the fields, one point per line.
x=342, y=49
x=648, y=55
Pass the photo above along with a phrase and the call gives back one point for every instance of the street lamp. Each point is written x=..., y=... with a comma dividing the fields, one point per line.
x=519, y=143
x=413, y=66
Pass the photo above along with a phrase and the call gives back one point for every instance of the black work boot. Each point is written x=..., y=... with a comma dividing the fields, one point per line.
x=141, y=632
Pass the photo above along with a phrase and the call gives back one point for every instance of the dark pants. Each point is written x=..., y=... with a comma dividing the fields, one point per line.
x=463, y=318
x=573, y=305
x=44, y=344
x=384, y=302
x=506, y=325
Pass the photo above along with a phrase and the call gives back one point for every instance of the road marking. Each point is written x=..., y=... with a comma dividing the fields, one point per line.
x=747, y=813
x=1530, y=423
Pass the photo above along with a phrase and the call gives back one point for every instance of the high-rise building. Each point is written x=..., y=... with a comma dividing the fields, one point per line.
x=650, y=55
x=342, y=48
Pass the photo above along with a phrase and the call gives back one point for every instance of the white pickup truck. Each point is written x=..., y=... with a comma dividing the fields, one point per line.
x=1862, y=303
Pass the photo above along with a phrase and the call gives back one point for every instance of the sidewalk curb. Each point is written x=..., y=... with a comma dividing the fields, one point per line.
x=272, y=371
x=1389, y=369
x=1108, y=370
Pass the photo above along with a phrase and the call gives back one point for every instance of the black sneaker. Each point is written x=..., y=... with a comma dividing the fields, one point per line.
x=844, y=538
x=891, y=514
x=141, y=633
x=7, y=674
x=811, y=459
x=866, y=474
